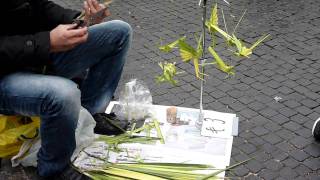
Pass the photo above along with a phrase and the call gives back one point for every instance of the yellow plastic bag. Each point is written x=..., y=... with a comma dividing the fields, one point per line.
x=14, y=130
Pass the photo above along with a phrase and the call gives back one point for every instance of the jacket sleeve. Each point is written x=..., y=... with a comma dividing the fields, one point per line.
x=55, y=14
x=22, y=50
x=34, y=49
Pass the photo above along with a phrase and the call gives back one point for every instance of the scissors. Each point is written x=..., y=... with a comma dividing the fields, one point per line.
x=93, y=17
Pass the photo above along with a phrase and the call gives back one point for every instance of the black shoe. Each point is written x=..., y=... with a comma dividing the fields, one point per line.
x=69, y=173
x=109, y=124
x=316, y=129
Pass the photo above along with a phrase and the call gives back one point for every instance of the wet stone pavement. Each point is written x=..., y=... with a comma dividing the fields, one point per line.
x=276, y=93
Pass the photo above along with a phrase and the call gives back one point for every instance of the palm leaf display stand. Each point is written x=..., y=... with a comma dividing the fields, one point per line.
x=203, y=61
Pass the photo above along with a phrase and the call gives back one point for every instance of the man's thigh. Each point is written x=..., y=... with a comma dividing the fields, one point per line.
x=24, y=93
x=102, y=42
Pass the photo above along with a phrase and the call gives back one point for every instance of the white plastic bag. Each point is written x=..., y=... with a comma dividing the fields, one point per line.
x=84, y=137
x=135, y=101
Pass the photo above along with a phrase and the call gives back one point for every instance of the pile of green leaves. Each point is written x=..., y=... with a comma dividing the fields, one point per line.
x=188, y=53
x=149, y=171
x=130, y=137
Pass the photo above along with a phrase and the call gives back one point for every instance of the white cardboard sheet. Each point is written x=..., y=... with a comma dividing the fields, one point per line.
x=184, y=143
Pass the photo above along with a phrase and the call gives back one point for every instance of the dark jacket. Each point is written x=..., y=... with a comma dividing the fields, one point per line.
x=24, y=32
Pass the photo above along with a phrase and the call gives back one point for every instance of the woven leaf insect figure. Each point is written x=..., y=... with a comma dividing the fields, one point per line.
x=242, y=50
x=187, y=52
x=232, y=40
x=212, y=25
x=169, y=71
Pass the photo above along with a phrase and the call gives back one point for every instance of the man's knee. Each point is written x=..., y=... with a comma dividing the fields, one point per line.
x=120, y=31
x=124, y=29
x=62, y=95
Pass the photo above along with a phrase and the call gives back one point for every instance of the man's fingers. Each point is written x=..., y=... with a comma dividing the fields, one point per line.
x=96, y=4
x=78, y=40
x=77, y=32
x=86, y=8
x=70, y=26
x=107, y=13
x=91, y=6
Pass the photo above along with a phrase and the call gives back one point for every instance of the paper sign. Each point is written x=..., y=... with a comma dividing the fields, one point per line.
x=217, y=125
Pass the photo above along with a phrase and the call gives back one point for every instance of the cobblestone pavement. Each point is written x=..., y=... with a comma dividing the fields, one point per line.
x=276, y=133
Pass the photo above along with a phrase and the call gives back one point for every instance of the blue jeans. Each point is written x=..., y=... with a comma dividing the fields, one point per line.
x=57, y=99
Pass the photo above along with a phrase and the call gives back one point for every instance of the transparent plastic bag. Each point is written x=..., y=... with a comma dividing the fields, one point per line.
x=134, y=102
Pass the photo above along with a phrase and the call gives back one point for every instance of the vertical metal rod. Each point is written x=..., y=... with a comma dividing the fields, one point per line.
x=203, y=61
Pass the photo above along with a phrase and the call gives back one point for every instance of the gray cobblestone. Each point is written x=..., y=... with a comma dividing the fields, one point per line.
x=288, y=173
x=292, y=126
x=287, y=112
x=254, y=166
x=273, y=165
x=299, y=142
x=259, y=131
x=299, y=155
x=302, y=170
x=312, y=163
x=290, y=162
x=272, y=138
x=313, y=150
x=280, y=119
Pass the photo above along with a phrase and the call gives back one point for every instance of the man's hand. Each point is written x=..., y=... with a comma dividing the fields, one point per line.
x=66, y=37
x=91, y=7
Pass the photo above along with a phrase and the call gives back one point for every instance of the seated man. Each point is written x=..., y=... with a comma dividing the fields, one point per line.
x=38, y=33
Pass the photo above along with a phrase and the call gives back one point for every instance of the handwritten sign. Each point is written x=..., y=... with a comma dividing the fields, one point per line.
x=214, y=126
